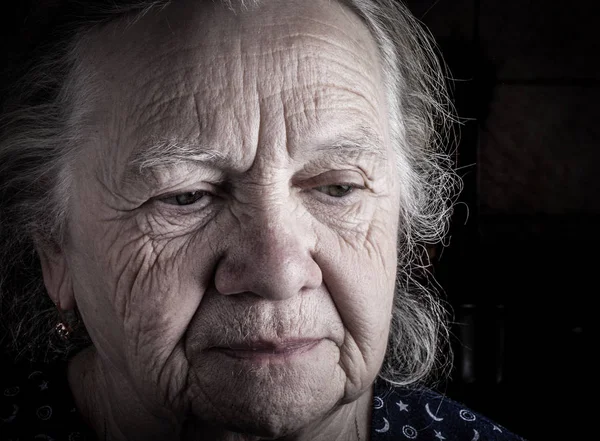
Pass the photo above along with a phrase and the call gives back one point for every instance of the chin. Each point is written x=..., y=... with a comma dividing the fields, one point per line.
x=268, y=426
x=263, y=397
x=271, y=416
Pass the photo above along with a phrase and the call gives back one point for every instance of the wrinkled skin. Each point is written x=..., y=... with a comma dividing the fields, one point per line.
x=290, y=234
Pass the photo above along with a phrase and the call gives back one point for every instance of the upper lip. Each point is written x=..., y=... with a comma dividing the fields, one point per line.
x=270, y=345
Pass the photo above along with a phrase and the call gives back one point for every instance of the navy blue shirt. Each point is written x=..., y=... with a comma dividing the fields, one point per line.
x=424, y=415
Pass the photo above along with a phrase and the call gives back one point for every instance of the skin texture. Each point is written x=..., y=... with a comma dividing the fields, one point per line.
x=276, y=117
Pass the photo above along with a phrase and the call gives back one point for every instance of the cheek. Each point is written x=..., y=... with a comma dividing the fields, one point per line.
x=144, y=289
x=359, y=269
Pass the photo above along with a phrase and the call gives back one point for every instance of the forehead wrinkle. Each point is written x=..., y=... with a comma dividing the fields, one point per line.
x=175, y=69
x=320, y=62
x=314, y=41
x=145, y=115
x=152, y=109
x=322, y=89
x=344, y=16
x=348, y=109
x=345, y=36
x=300, y=39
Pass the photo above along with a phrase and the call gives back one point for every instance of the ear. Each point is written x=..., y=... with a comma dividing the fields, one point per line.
x=57, y=277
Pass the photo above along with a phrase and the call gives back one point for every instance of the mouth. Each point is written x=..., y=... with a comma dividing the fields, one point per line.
x=268, y=350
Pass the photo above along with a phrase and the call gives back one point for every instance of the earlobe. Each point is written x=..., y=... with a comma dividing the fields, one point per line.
x=57, y=278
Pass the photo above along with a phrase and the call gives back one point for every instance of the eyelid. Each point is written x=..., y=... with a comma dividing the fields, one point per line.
x=211, y=190
x=214, y=188
x=333, y=177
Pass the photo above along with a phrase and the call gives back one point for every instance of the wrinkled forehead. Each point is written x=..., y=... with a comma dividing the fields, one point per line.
x=200, y=28
x=193, y=56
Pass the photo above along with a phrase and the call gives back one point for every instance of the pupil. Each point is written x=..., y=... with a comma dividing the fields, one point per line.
x=188, y=198
x=340, y=190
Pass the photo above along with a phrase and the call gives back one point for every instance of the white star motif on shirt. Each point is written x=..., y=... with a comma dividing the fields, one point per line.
x=439, y=435
x=402, y=406
x=44, y=385
x=497, y=428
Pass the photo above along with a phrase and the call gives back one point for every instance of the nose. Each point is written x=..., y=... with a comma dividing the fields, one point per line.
x=272, y=259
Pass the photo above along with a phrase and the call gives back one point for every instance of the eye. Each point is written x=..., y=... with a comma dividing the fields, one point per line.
x=336, y=191
x=187, y=198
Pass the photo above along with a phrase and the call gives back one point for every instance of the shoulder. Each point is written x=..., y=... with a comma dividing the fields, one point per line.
x=36, y=403
x=401, y=413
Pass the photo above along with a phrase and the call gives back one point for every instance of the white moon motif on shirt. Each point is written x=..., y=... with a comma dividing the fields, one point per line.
x=433, y=417
x=12, y=416
x=385, y=428
x=378, y=403
x=33, y=374
x=476, y=435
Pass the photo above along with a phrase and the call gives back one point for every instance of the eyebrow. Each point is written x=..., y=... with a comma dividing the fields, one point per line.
x=161, y=153
x=363, y=141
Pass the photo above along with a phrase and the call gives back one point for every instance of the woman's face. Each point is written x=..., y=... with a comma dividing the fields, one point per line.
x=233, y=221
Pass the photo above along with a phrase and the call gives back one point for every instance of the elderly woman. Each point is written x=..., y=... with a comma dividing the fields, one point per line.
x=224, y=202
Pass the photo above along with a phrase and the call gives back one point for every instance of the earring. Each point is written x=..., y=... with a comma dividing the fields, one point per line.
x=63, y=331
x=62, y=328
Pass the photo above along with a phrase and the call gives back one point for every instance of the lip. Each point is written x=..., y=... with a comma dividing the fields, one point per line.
x=268, y=350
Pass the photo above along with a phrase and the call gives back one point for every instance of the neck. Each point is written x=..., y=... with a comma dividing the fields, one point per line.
x=115, y=412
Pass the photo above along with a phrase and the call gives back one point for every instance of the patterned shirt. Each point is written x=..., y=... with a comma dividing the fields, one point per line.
x=36, y=405
x=424, y=415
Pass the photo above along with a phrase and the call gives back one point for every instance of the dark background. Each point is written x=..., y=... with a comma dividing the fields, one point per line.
x=520, y=271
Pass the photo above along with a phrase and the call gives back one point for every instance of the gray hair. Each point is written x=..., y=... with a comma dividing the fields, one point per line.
x=41, y=128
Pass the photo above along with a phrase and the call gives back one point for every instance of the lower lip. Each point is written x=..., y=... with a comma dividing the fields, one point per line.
x=270, y=354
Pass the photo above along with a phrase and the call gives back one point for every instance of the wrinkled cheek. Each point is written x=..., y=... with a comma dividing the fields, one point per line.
x=365, y=300
x=155, y=296
x=380, y=255
x=367, y=317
